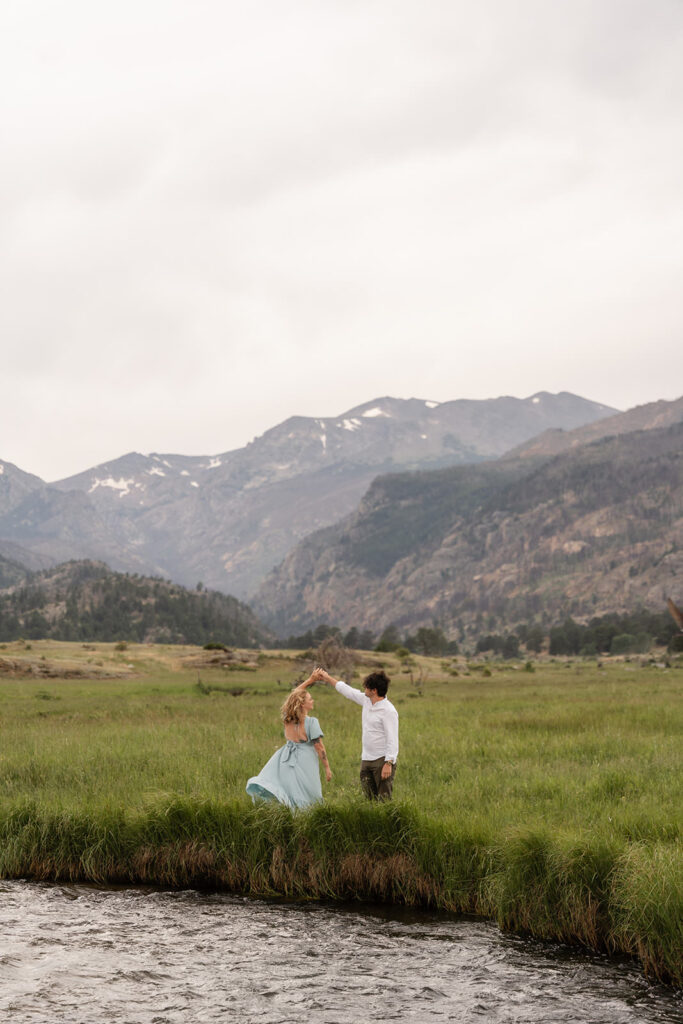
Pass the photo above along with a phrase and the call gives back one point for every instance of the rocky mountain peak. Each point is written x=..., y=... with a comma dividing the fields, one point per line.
x=227, y=519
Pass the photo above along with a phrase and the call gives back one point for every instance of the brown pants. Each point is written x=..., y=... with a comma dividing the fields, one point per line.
x=374, y=786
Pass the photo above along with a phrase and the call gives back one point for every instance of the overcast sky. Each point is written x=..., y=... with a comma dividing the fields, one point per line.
x=214, y=215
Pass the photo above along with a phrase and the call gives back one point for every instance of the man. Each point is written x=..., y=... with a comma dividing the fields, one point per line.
x=380, y=731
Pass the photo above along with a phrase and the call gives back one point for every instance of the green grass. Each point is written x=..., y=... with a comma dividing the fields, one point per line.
x=550, y=801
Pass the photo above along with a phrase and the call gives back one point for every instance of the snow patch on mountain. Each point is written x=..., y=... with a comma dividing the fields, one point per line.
x=122, y=485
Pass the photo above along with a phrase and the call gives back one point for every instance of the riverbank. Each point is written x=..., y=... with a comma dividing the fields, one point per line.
x=548, y=801
x=577, y=890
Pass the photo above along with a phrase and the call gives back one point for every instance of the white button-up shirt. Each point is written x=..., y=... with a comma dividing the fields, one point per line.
x=380, y=724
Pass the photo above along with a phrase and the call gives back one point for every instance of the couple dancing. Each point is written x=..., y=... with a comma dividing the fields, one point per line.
x=292, y=775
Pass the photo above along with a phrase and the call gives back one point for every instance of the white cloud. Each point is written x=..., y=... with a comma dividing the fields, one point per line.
x=218, y=215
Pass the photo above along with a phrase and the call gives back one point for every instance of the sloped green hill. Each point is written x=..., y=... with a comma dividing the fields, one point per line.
x=87, y=601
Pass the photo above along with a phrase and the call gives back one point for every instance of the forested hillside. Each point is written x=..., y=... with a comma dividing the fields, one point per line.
x=86, y=601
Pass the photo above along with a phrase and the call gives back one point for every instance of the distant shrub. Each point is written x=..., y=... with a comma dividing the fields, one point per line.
x=390, y=640
x=629, y=643
x=335, y=658
x=505, y=646
x=430, y=641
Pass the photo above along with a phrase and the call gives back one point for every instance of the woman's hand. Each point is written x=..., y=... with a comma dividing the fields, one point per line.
x=328, y=773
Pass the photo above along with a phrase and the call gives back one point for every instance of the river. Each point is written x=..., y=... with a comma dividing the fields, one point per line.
x=83, y=955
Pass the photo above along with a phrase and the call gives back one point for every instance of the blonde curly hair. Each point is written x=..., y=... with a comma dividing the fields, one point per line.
x=292, y=709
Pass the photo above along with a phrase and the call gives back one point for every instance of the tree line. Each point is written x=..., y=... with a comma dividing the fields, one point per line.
x=89, y=602
x=616, y=634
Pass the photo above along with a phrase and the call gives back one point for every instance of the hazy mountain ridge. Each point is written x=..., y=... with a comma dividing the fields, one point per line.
x=15, y=486
x=28, y=560
x=11, y=572
x=596, y=529
x=653, y=416
x=228, y=519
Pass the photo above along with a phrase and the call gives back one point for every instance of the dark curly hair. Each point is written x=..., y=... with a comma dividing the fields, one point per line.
x=378, y=681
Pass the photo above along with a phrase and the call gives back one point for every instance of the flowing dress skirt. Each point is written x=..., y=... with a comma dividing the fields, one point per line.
x=292, y=775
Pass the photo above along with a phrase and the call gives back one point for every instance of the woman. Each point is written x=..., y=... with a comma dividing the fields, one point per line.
x=292, y=775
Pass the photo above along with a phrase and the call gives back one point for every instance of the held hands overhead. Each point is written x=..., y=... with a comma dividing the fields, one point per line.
x=319, y=675
x=314, y=678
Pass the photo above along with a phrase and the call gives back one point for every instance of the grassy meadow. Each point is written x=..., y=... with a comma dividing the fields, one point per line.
x=550, y=800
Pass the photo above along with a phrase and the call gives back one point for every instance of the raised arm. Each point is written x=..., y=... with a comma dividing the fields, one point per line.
x=322, y=754
x=340, y=686
x=307, y=682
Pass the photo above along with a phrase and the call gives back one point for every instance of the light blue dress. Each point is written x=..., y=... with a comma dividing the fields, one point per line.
x=292, y=775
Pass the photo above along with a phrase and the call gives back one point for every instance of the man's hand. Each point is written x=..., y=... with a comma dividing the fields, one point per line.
x=321, y=676
x=386, y=770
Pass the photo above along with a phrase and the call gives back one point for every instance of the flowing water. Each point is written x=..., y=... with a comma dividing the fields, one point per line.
x=82, y=955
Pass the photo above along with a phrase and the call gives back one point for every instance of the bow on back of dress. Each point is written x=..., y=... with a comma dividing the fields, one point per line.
x=291, y=752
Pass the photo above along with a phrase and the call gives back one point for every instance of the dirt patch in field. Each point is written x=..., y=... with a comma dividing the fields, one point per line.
x=39, y=669
x=233, y=661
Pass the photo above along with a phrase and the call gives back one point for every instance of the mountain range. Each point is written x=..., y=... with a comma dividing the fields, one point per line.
x=582, y=523
x=227, y=520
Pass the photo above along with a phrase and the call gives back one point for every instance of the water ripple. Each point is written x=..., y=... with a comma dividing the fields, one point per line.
x=75, y=954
